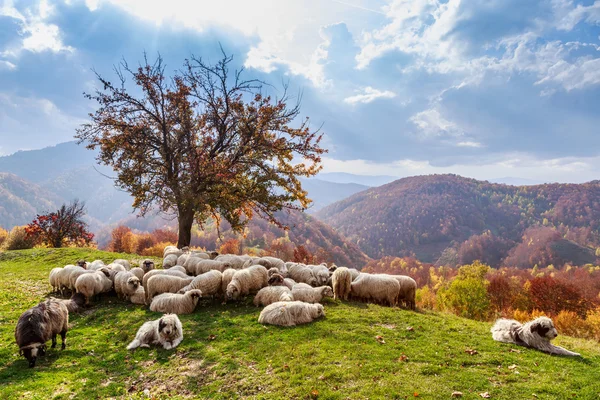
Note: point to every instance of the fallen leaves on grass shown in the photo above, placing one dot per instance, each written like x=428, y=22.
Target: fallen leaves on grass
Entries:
x=485, y=395
x=457, y=394
x=379, y=339
x=314, y=394
x=511, y=367
x=403, y=357
x=410, y=329
x=471, y=351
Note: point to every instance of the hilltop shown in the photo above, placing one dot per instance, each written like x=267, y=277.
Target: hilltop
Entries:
x=358, y=350
x=424, y=215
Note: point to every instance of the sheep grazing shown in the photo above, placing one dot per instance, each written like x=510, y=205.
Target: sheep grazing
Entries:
x=169, y=261
x=321, y=273
x=74, y=274
x=311, y=295
x=62, y=277
x=302, y=273
x=226, y=279
x=379, y=288
x=408, y=291
x=53, y=278
x=147, y=265
x=235, y=262
x=273, y=271
x=209, y=283
x=290, y=313
x=93, y=284
x=123, y=262
x=272, y=294
x=199, y=266
x=95, y=265
x=247, y=280
x=176, y=303
x=126, y=284
x=139, y=297
x=341, y=280
x=38, y=325
x=175, y=271
x=159, y=284
x=354, y=272
x=139, y=272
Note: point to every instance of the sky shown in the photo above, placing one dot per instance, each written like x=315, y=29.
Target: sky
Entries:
x=482, y=88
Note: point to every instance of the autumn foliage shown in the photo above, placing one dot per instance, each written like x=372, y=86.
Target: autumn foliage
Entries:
x=61, y=228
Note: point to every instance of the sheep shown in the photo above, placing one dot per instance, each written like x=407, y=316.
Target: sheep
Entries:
x=147, y=265
x=172, y=250
x=123, y=262
x=408, y=291
x=209, y=283
x=93, y=284
x=311, y=295
x=247, y=280
x=81, y=263
x=74, y=274
x=226, y=279
x=275, y=280
x=74, y=304
x=354, y=272
x=272, y=294
x=235, y=262
x=301, y=285
x=273, y=271
x=164, y=284
x=38, y=325
x=53, y=278
x=270, y=262
x=290, y=313
x=173, y=272
x=95, y=265
x=301, y=273
x=198, y=266
x=169, y=261
x=62, y=277
x=139, y=272
x=126, y=284
x=139, y=297
x=341, y=280
x=321, y=273
x=176, y=303
x=380, y=288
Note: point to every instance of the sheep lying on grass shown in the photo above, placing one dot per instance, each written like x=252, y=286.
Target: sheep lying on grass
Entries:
x=175, y=271
x=290, y=313
x=311, y=295
x=176, y=303
x=38, y=325
x=247, y=280
x=272, y=294
x=209, y=283
x=159, y=284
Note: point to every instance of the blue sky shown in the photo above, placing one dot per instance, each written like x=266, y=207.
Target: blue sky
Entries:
x=482, y=88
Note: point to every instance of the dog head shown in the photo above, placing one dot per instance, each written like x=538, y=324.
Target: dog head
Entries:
x=544, y=328
x=167, y=326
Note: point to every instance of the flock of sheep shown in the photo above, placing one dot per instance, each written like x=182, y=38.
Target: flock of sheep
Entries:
x=289, y=291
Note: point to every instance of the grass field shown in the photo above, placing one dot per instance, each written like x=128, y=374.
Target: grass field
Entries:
x=358, y=351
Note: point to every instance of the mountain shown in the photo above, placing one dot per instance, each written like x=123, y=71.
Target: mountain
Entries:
x=509, y=180
x=323, y=193
x=426, y=215
x=366, y=180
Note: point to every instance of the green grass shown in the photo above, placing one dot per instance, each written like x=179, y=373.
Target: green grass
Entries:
x=338, y=357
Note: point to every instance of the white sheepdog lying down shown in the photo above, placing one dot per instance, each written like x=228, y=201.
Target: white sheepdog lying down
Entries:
x=536, y=334
x=165, y=331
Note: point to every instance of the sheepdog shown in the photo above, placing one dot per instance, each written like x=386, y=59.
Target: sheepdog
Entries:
x=165, y=331
x=536, y=334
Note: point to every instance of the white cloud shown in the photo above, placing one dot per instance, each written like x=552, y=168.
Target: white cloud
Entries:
x=469, y=144
x=7, y=65
x=521, y=165
x=368, y=95
x=432, y=124
x=38, y=35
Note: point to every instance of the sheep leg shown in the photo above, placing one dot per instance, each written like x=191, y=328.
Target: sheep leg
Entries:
x=63, y=336
x=53, y=341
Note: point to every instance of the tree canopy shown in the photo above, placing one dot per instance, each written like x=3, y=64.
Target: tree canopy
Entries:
x=204, y=142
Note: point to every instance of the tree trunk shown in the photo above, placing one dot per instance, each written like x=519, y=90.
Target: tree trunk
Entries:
x=186, y=220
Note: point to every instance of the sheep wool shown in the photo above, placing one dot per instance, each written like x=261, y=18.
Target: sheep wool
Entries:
x=176, y=303
x=302, y=273
x=209, y=283
x=379, y=288
x=172, y=272
x=272, y=294
x=341, y=280
x=311, y=295
x=247, y=280
x=290, y=313
x=159, y=284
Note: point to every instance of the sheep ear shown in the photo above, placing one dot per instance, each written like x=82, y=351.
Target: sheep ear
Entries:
x=161, y=325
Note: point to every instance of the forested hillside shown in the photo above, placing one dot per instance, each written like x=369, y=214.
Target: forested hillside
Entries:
x=433, y=216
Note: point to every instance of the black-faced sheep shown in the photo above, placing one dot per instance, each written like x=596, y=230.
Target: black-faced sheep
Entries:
x=311, y=295
x=247, y=280
x=38, y=325
x=176, y=303
x=147, y=265
x=272, y=294
x=290, y=313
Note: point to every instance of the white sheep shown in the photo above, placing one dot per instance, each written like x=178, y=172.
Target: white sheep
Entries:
x=199, y=266
x=139, y=272
x=123, y=262
x=53, y=278
x=209, y=283
x=302, y=273
x=272, y=294
x=270, y=262
x=62, y=277
x=126, y=284
x=311, y=295
x=235, y=262
x=139, y=297
x=354, y=272
x=321, y=273
x=95, y=265
x=93, y=284
x=341, y=280
x=173, y=272
x=176, y=303
x=247, y=280
x=379, y=288
x=172, y=250
x=74, y=274
x=169, y=261
x=290, y=313
x=408, y=291
x=226, y=279
x=159, y=284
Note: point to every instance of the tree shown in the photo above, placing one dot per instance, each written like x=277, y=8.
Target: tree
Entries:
x=62, y=227
x=204, y=143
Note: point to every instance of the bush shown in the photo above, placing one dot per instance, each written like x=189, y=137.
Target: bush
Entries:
x=426, y=298
x=117, y=234
x=157, y=249
x=230, y=246
x=3, y=236
x=144, y=241
x=129, y=242
x=553, y=296
x=18, y=240
x=467, y=294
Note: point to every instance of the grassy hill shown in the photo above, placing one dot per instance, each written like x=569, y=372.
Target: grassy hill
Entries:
x=227, y=354
x=426, y=214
